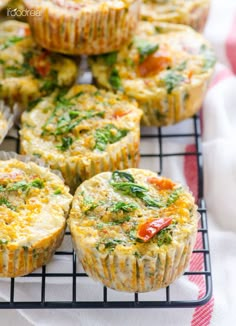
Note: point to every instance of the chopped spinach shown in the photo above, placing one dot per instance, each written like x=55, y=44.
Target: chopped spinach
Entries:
x=164, y=237
x=137, y=254
x=66, y=124
x=57, y=192
x=209, y=57
x=172, y=80
x=137, y=191
x=66, y=143
x=25, y=186
x=109, y=58
x=145, y=48
x=14, y=71
x=120, y=175
x=110, y=244
x=173, y=196
x=89, y=204
x=33, y=103
x=115, y=81
x=110, y=134
x=101, y=225
x=125, y=207
x=11, y=41
x=5, y=202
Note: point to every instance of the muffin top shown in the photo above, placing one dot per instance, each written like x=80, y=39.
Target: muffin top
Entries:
x=132, y=212
x=161, y=58
x=81, y=4
x=34, y=203
x=27, y=68
x=173, y=6
x=83, y=122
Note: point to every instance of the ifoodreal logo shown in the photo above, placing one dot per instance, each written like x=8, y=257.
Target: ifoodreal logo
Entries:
x=14, y=12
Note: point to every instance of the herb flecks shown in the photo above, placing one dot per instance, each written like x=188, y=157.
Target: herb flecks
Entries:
x=125, y=207
x=209, y=57
x=174, y=196
x=164, y=237
x=109, y=58
x=89, y=204
x=11, y=41
x=110, y=134
x=121, y=176
x=145, y=48
x=115, y=80
x=172, y=80
x=23, y=186
x=66, y=143
x=109, y=244
x=5, y=202
x=134, y=190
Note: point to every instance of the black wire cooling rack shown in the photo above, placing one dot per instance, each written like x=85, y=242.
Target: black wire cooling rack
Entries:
x=65, y=285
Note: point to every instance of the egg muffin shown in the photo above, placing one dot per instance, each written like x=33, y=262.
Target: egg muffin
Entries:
x=6, y=121
x=132, y=230
x=192, y=12
x=83, y=132
x=83, y=26
x=34, y=204
x=166, y=68
x=28, y=72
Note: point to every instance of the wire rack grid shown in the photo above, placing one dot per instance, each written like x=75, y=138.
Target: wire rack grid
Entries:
x=67, y=286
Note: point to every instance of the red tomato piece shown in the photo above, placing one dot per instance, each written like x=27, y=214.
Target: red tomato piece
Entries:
x=149, y=229
x=162, y=183
x=154, y=63
x=120, y=114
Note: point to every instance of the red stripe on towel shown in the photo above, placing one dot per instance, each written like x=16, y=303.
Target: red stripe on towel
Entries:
x=231, y=45
x=202, y=315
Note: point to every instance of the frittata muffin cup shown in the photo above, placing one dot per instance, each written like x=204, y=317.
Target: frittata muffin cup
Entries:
x=83, y=133
x=166, y=69
x=27, y=71
x=34, y=204
x=6, y=120
x=135, y=232
x=87, y=27
x=193, y=13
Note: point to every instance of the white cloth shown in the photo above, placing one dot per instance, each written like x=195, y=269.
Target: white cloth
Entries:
x=219, y=146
